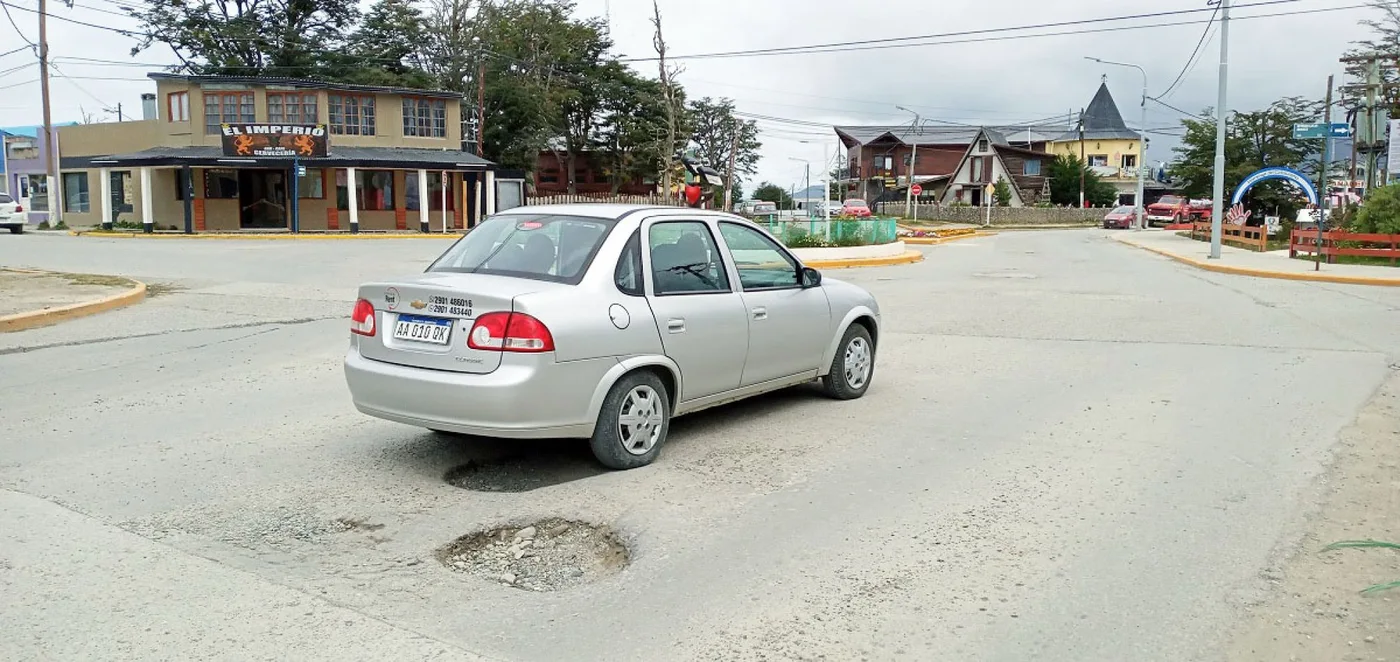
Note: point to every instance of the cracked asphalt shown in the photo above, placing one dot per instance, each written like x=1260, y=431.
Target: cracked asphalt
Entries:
x=1072, y=450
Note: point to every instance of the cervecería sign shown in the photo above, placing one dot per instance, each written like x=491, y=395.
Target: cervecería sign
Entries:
x=275, y=140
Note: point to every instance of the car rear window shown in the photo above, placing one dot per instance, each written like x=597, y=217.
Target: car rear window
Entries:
x=540, y=246
x=5, y=198
x=855, y=203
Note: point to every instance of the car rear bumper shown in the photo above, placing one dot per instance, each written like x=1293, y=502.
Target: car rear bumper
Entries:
x=527, y=397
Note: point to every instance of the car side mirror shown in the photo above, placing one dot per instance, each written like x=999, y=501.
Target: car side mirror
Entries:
x=809, y=277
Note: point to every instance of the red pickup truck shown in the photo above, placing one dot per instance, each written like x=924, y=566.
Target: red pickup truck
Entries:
x=1176, y=209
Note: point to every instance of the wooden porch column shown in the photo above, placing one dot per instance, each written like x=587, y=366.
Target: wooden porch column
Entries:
x=148, y=214
x=490, y=192
x=105, y=187
x=423, y=201
x=350, y=200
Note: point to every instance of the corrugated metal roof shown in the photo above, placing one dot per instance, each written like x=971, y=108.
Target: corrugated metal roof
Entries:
x=303, y=83
x=952, y=135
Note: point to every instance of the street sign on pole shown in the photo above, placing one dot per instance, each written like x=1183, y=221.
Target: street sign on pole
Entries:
x=1321, y=130
x=917, y=190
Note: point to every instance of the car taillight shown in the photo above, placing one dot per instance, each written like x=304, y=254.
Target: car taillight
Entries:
x=362, y=319
x=510, y=332
x=18, y=208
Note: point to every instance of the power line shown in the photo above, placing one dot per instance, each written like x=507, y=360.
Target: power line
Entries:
x=127, y=33
x=866, y=46
x=17, y=50
x=1183, y=112
x=1199, y=43
x=875, y=43
x=16, y=26
x=6, y=87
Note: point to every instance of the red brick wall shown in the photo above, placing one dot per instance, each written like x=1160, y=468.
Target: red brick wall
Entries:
x=198, y=214
x=332, y=218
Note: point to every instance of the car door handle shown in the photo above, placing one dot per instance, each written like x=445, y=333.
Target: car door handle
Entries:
x=676, y=325
x=760, y=313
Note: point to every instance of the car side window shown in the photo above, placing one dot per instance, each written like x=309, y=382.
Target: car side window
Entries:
x=628, y=274
x=762, y=264
x=685, y=259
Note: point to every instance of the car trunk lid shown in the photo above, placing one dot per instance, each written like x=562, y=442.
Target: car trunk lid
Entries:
x=424, y=321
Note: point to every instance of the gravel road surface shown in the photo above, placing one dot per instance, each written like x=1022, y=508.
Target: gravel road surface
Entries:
x=1072, y=450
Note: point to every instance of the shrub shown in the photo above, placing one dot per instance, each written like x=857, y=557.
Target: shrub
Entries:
x=1381, y=212
x=61, y=226
x=43, y=225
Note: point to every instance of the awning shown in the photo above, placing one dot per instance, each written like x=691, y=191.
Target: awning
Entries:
x=407, y=158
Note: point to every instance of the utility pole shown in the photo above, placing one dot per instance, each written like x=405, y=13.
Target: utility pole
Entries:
x=119, y=111
x=729, y=176
x=50, y=145
x=480, y=96
x=1083, y=164
x=1322, y=173
x=1217, y=210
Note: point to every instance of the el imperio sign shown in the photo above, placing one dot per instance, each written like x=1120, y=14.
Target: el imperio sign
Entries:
x=306, y=141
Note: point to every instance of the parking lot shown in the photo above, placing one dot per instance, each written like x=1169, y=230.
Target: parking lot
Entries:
x=1071, y=450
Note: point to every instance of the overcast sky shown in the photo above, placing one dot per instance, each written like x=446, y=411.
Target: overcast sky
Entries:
x=992, y=82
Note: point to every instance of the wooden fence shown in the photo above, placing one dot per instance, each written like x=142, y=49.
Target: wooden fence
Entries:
x=659, y=200
x=1345, y=243
x=1253, y=238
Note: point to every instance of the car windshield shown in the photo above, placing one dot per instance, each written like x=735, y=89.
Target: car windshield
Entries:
x=855, y=203
x=1123, y=210
x=540, y=246
x=1169, y=200
x=765, y=206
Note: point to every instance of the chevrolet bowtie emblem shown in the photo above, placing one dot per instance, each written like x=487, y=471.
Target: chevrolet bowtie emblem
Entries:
x=418, y=304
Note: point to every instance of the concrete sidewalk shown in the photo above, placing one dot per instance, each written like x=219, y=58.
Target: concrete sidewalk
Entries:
x=1274, y=264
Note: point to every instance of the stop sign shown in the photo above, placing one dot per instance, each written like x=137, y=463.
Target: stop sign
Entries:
x=916, y=189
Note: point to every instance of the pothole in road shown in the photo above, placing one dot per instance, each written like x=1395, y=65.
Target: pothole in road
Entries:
x=549, y=555
x=525, y=471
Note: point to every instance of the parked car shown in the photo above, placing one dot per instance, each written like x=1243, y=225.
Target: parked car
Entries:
x=1122, y=218
x=855, y=207
x=833, y=208
x=583, y=321
x=11, y=214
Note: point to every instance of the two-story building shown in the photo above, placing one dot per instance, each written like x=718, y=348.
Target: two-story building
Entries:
x=1112, y=150
x=394, y=160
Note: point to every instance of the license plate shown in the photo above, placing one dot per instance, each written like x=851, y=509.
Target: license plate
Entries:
x=423, y=329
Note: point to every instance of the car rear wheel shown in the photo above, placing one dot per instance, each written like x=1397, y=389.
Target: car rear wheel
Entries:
x=853, y=366
x=633, y=423
x=16, y=229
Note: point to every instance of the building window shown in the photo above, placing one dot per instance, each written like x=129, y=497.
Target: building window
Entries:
x=221, y=184
x=312, y=185
x=227, y=108
x=410, y=193
x=982, y=145
x=1130, y=160
x=291, y=108
x=424, y=118
x=350, y=114
x=1032, y=167
x=75, y=193
x=549, y=177
x=177, y=107
x=1098, y=160
x=977, y=170
x=374, y=190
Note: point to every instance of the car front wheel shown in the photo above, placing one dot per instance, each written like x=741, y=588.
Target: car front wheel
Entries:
x=633, y=423
x=853, y=366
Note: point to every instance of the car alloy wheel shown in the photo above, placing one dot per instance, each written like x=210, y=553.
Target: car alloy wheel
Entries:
x=640, y=420
x=857, y=362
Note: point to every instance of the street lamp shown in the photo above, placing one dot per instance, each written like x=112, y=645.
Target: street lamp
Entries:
x=1142, y=134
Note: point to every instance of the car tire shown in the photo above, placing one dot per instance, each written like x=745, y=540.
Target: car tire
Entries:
x=633, y=423
x=853, y=367
x=16, y=229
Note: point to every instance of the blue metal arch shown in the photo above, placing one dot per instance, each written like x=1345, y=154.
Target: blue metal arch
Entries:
x=1287, y=174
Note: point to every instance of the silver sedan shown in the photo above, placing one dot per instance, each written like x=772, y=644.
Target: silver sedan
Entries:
x=603, y=322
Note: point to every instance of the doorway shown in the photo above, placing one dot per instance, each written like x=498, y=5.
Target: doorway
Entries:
x=262, y=199
x=976, y=194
